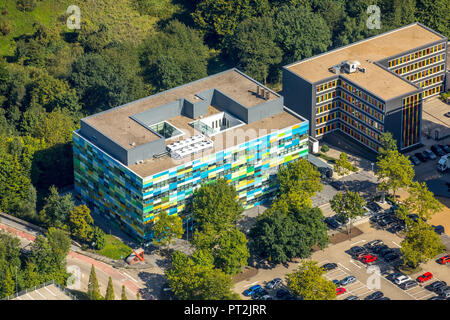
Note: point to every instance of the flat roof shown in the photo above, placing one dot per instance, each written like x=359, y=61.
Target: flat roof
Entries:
x=117, y=125
x=378, y=81
x=221, y=141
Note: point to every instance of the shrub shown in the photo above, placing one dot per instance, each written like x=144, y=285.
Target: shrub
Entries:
x=4, y=28
x=324, y=148
x=26, y=5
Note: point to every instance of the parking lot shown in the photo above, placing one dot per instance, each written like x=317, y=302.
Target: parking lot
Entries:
x=367, y=281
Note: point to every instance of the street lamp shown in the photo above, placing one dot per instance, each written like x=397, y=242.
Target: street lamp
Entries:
x=372, y=165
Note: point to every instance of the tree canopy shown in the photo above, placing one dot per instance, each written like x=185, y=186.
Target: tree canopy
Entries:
x=308, y=282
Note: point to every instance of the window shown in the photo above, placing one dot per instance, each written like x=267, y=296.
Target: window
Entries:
x=166, y=130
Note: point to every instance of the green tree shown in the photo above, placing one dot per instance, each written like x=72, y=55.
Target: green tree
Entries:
x=81, y=223
x=48, y=254
x=93, y=287
x=253, y=47
x=7, y=285
x=216, y=205
x=104, y=82
x=348, y=206
x=299, y=177
x=219, y=18
x=300, y=33
x=175, y=56
x=308, y=282
x=229, y=248
x=280, y=236
x=110, y=291
x=398, y=13
x=388, y=143
x=394, y=171
x=124, y=293
x=56, y=210
x=422, y=201
x=421, y=244
x=98, y=238
x=166, y=229
x=434, y=14
x=195, y=278
x=343, y=165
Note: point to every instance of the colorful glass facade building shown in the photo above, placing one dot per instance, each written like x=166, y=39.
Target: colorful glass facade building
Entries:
x=370, y=87
x=135, y=161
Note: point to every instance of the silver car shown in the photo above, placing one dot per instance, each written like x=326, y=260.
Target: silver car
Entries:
x=273, y=283
x=347, y=280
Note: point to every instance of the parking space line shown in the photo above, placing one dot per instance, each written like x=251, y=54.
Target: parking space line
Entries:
x=344, y=267
x=351, y=261
x=396, y=244
x=248, y=285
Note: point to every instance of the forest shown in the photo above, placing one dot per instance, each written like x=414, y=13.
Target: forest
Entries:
x=51, y=76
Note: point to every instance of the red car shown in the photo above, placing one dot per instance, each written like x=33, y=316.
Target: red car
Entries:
x=444, y=259
x=368, y=258
x=340, y=291
x=425, y=277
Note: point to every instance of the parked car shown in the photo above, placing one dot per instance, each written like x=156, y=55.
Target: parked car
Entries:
x=396, y=228
x=380, y=247
x=282, y=293
x=415, y=160
x=446, y=293
x=441, y=290
x=391, y=257
x=252, y=290
x=332, y=223
x=385, y=252
x=336, y=282
x=436, y=285
x=402, y=279
x=356, y=250
x=425, y=277
x=383, y=298
x=347, y=280
x=260, y=293
x=266, y=297
x=437, y=298
x=394, y=276
x=340, y=291
x=373, y=243
x=408, y=284
x=445, y=148
x=439, y=229
x=444, y=259
x=429, y=154
x=437, y=150
x=329, y=266
x=375, y=295
x=352, y=298
x=420, y=156
x=373, y=206
x=274, y=283
x=368, y=258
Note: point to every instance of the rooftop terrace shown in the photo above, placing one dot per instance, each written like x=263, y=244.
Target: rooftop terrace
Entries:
x=380, y=82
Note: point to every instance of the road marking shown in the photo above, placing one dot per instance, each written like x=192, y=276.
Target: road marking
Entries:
x=351, y=261
x=396, y=244
x=358, y=242
x=28, y=295
x=130, y=277
x=344, y=267
x=37, y=291
x=51, y=292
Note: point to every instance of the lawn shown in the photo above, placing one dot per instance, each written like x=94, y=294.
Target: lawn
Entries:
x=114, y=248
x=120, y=16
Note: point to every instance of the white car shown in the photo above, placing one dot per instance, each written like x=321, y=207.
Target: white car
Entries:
x=401, y=279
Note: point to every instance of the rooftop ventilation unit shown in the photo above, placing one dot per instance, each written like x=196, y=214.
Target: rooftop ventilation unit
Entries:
x=186, y=147
x=346, y=66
